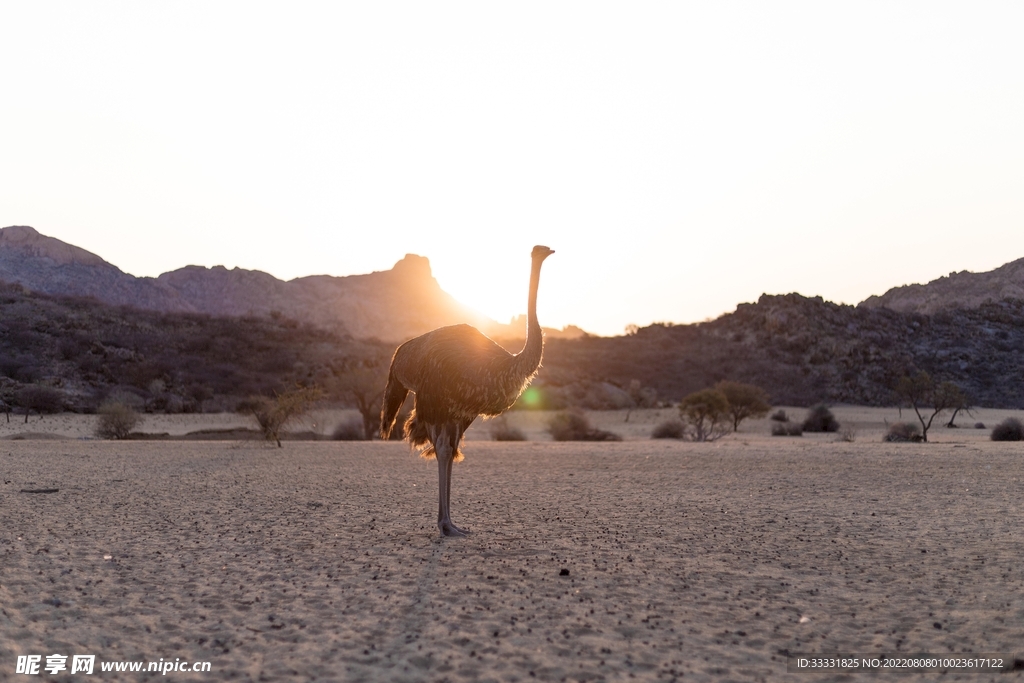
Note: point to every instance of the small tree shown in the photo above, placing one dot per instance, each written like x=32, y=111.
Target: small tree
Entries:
x=923, y=394
x=272, y=414
x=39, y=398
x=706, y=414
x=117, y=420
x=643, y=397
x=360, y=381
x=964, y=407
x=745, y=400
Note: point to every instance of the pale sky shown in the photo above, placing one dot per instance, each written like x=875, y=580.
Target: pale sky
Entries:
x=680, y=157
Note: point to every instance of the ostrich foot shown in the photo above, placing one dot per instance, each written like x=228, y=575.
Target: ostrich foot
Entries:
x=449, y=529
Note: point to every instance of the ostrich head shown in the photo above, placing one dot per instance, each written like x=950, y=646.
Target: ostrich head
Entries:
x=540, y=253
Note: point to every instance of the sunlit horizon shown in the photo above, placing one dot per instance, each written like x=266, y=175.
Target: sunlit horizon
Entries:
x=681, y=159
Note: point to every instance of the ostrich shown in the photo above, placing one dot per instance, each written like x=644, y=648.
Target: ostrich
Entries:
x=456, y=374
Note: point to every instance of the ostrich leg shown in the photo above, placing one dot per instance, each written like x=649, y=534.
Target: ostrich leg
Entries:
x=445, y=442
x=448, y=497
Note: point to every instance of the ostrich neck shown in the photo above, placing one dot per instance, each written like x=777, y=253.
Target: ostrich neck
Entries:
x=528, y=360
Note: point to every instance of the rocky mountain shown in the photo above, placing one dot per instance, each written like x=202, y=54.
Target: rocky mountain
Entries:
x=391, y=305
x=956, y=290
x=47, y=265
x=804, y=350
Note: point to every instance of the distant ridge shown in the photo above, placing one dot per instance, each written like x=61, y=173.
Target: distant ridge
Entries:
x=392, y=305
x=957, y=290
x=45, y=264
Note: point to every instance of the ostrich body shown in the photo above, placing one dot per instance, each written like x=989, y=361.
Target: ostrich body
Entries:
x=457, y=373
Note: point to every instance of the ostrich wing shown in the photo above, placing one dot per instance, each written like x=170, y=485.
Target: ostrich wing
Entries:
x=458, y=370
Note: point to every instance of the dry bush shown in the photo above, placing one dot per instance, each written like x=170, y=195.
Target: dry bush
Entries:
x=1009, y=429
x=501, y=430
x=847, y=434
x=779, y=416
x=573, y=425
x=669, y=429
x=820, y=419
x=979, y=425
x=902, y=432
x=116, y=420
x=272, y=414
x=787, y=429
x=349, y=430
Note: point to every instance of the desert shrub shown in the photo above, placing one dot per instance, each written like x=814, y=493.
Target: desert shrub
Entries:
x=848, y=434
x=501, y=430
x=779, y=416
x=1009, y=429
x=745, y=400
x=706, y=415
x=979, y=425
x=820, y=419
x=349, y=430
x=272, y=414
x=116, y=420
x=903, y=431
x=787, y=429
x=669, y=429
x=573, y=425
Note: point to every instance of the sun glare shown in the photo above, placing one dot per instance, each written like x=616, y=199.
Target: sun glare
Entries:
x=492, y=282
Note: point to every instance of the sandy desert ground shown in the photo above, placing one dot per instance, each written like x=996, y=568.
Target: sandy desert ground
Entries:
x=638, y=560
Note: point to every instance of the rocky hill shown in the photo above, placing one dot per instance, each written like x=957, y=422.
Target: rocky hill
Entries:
x=805, y=350
x=392, y=305
x=801, y=350
x=47, y=265
x=81, y=351
x=956, y=290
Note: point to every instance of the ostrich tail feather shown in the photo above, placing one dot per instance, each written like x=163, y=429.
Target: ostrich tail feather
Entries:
x=418, y=436
x=394, y=397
